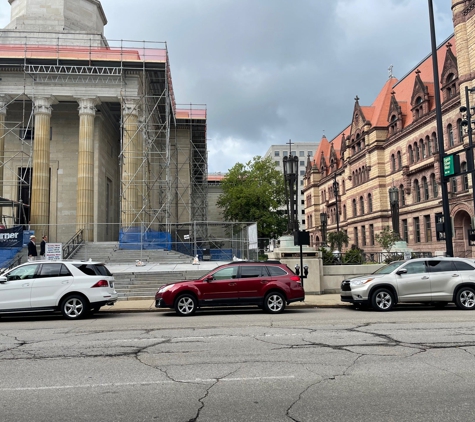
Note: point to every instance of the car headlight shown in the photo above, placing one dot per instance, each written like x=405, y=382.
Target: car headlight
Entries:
x=163, y=289
x=361, y=282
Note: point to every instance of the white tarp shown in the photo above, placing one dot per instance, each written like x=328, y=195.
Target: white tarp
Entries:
x=252, y=234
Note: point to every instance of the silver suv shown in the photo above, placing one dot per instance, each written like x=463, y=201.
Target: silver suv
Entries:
x=431, y=280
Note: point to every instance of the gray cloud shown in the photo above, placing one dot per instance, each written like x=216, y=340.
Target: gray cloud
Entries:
x=271, y=70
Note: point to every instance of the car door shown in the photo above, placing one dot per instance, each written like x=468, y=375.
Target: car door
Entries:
x=252, y=278
x=414, y=285
x=220, y=287
x=15, y=291
x=444, y=276
x=52, y=280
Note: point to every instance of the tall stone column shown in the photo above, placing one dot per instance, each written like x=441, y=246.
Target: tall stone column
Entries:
x=4, y=99
x=40, y=192
x=130, y=153
x=85, y=190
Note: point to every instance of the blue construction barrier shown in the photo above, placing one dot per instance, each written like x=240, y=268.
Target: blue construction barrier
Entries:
x=135, y=239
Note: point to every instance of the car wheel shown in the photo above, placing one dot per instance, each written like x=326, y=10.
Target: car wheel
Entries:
x=74, y=307
x=465, y=298
x=185, y=305
x=274, y=302
x=383, y=300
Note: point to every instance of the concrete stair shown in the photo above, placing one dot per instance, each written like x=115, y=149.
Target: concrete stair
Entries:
x=136, y=286
x=109, y=253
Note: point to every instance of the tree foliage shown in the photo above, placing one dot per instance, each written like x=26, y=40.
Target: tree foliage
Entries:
x=255, y=191
x=387, y=238
x=338, y=239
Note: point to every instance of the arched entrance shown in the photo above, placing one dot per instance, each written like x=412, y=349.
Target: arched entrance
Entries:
x=462, y=223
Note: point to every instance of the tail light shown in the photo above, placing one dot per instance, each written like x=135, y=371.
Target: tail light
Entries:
x=295, y=278
x=101, y=283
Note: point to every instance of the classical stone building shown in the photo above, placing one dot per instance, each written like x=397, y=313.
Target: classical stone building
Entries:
x=393, y=142
x=91, y=137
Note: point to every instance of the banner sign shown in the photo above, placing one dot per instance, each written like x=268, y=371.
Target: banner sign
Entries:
x=11, y=238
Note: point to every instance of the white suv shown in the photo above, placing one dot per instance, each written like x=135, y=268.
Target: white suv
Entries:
x=431, y=280
x=76, y=288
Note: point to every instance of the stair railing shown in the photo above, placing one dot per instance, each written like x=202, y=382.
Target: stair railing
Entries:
x=73, y=244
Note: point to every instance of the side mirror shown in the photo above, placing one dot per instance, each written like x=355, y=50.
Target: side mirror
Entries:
x=401, y=271
x=209, y=278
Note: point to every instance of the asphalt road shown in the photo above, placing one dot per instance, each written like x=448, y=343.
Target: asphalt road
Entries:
x=413, y=364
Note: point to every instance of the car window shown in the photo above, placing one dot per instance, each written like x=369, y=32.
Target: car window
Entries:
x=50, y=270
x=23, y=273
x=440, y=266
x=93, y=269
x=252, y=271
x=415, y=267
x=225, y=273
x=463, y=266
x=64, y=271
x=388, y=269
x=276, y=271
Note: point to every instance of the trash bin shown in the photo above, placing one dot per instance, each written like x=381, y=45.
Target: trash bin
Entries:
x=206, y=255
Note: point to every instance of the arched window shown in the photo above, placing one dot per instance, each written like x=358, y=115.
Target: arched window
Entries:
x=450, y=132
x=463, y=168
x=434, y=187
x=435, y=142
x=411, y=155
x=399, y=160
x=361, y=205
x=402, y=197
x=416, y=153
x=344, y=212
x=423, y=149
x=370, y=203
x=425, y=189
x=429, y=146
x=417, y=191
x=355, y=211
x=393, y=163
x=453, y=184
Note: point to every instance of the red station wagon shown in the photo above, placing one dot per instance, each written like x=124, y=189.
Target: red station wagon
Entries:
x=269, y=285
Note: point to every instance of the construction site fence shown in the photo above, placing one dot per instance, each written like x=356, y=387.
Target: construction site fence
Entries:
x=214, y=241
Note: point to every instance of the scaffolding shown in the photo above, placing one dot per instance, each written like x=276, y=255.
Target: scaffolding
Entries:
x=168, y=184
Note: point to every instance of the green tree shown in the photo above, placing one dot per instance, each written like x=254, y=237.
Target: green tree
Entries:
x=255, y=191
x=387, y=238
x=338, y=239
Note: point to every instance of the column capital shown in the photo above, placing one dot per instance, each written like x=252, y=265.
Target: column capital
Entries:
x=87, y=105
x=4, y=100
x=42, y=105
x=130, y=106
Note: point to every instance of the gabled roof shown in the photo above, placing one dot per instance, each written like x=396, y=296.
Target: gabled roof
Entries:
x=378, y=113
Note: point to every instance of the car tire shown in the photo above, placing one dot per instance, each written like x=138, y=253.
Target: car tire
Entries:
x=465, y=298
x=185, y=305
x=274, y=303
x=383, y=300
x=74, y=307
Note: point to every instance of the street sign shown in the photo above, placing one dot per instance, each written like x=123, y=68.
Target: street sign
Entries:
x=451, y=165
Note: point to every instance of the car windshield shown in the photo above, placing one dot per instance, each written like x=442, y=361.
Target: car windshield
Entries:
x=387, y=269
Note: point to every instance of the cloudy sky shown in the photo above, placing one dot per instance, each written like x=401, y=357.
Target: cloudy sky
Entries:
x=273, y=70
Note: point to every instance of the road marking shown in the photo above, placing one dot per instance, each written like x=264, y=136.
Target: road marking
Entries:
x=132, y=384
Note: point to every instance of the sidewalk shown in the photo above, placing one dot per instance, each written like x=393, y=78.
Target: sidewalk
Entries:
x=311, y=301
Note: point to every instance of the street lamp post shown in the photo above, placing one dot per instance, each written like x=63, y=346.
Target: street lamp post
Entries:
x=336, y=191
x=440, y=136
x=290, y=175
x=323, y=220
x=394, y=202
x=467, y=122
